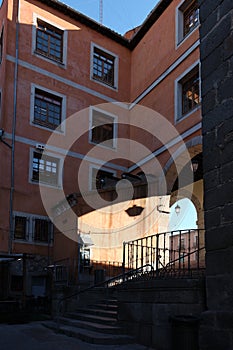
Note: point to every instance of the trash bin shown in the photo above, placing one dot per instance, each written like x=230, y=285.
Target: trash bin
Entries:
x=99, y=276
x=185, y=332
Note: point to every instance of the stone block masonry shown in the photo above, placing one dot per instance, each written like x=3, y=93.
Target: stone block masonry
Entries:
x=216, y=33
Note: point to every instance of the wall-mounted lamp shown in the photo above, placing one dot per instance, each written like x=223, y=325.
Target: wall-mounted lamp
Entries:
x=1, y=138
x=194, y=165
x=162, y=211
x=177, y=209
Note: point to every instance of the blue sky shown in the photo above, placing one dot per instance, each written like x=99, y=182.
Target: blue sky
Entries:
x=119, y=15
x=187, y=217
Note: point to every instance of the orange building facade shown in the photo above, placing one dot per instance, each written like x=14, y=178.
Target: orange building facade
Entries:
x=103, y=108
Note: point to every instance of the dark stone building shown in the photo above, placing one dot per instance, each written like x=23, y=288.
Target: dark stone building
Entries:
x=217, y=106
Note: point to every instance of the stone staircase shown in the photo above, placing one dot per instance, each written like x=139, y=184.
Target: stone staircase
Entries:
x=95, y=324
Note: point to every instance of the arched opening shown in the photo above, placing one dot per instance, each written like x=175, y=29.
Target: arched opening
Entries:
x=185, y=217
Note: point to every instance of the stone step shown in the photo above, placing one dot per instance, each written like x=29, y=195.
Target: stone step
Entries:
x=110, y=307
x=97, y=327
x=92, y=318
x=98, y=311
x=89, y=335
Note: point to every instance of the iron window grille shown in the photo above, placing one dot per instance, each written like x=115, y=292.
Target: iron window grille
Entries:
x=190, y=17
x=190, y=91
x=103, y=67
x=45, y=169
x=47, y=109
x=20, y=228
x=49, y=41
x=42, y=230
x=102, y=129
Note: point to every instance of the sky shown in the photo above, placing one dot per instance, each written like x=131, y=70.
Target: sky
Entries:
x=119, y=15
x=186, y=219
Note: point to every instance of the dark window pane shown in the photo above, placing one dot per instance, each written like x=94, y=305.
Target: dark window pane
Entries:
x=47, y=109
x=49, y=41
x=190, y=91
x=191, y=17
x=41, y=230
x=102, y=128
x=103, y=67
x=20, y=227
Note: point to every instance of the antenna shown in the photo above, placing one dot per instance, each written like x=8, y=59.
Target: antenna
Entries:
x=101, y=12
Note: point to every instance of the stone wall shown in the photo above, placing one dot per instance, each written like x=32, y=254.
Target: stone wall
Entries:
x=216, y=34
x=146, y=308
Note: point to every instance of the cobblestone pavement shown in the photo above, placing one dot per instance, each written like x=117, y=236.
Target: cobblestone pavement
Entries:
x=34, y=336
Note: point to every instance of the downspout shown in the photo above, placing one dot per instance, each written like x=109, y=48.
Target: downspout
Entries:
x=11, y=216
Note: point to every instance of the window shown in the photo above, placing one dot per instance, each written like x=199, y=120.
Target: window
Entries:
x=32, y=228
x=1, y=45
x=103, y=129
x=41, y=230
x=191, y=17
x=104, y=67
x=182, y=244
x=45, y=169
x=187, y=19
x=99, y=177
x=20, y=229
x=47, y=109
x=187, y=94
x=49, y=41
x=190, y=91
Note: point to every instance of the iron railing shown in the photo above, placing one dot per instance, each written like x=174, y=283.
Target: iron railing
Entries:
x=174, y=250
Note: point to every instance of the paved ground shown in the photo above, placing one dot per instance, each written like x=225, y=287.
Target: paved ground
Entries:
x=34, y=336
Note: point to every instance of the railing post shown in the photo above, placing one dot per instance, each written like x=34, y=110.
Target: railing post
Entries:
x=157, y=255
x=123, y=264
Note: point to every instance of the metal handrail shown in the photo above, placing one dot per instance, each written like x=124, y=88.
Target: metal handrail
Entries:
x=100, y=284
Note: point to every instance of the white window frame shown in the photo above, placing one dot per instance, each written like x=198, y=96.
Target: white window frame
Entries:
x=37, y=17
x=180, y=38
x=115, y=127
x=178, y=94
x=116, y=64
x=60, y=168
x=30, y=229
x=32, y=106
x=92, y=167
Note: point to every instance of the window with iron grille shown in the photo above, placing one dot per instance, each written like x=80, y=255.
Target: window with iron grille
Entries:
x=103, y=67
x=42, y=230
x=191, y=17
x=45, y=169
x=1, y=45
x=190, y=91
x=49, y=41
x=103, y=129
x=187, y=17
x=47, y=109
x=20, y=227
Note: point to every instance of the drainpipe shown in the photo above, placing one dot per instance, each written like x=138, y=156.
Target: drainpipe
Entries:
x=13, y=132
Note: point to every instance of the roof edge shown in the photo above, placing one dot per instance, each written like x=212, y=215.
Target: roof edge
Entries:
x=149, y=21
x=129, y=43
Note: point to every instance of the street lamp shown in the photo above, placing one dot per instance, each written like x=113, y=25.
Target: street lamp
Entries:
x=177, y=209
